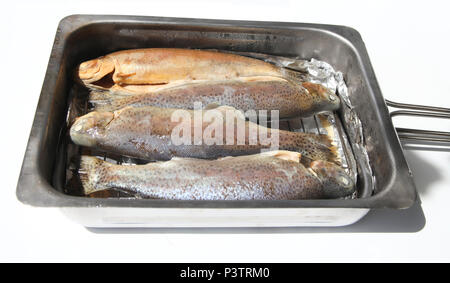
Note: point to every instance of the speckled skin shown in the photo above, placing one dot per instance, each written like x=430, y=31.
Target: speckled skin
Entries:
x=166, y=65
x=145, y=132
x=254, y=177
x=292, y=100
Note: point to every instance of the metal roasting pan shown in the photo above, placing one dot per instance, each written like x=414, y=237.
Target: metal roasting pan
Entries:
x=82, y=37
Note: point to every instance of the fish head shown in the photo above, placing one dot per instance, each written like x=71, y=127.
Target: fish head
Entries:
x=326, y=99
x=336, y=182
x=85, y=129
x=94, y=70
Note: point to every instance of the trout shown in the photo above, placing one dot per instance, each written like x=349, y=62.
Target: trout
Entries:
x=275, y=175
x=154, y=133
x=264, y=93
x=162, y=66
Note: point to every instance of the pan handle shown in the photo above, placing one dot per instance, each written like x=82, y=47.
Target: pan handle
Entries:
x=421, y=136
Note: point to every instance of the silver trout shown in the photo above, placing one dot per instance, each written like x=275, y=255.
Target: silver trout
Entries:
x=160, y=66
x=154, y=133
x=264, y=93
x=276, y=175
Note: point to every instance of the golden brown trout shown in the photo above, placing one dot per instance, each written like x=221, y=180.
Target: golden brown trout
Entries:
x=155, y=133
x=275, y=175
x=264, y=93
x=161, y=66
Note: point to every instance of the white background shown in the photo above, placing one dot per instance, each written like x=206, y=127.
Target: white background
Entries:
x=408, y=43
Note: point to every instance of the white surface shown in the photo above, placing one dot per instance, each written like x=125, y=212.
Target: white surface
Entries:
x=405, y=39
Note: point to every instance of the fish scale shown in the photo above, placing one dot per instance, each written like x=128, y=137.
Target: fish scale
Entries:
x=267, y=93
x=118, y=132
x=272, y=175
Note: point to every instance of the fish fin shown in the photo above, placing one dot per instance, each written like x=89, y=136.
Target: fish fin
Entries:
x=285, y=155
x=294, y=76
x=319, y=147
x=330, y=151
x=89, y=177
x=103, y=100
x=124, y=75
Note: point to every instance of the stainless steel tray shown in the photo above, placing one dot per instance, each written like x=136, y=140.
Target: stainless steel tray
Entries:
x=81, y=37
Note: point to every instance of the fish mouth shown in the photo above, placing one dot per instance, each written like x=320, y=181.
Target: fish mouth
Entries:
x=328, y=97
x=85, y=128
x=89, y=69
x=96, y=69
x=333, y=99
x=336, y=181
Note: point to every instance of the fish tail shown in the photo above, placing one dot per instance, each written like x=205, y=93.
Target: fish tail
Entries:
x=102, y=107
x=294, y=76
x=89, y=176
x=319, y=147
x=101, y=100
x=104, y=101
x=331, y=150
